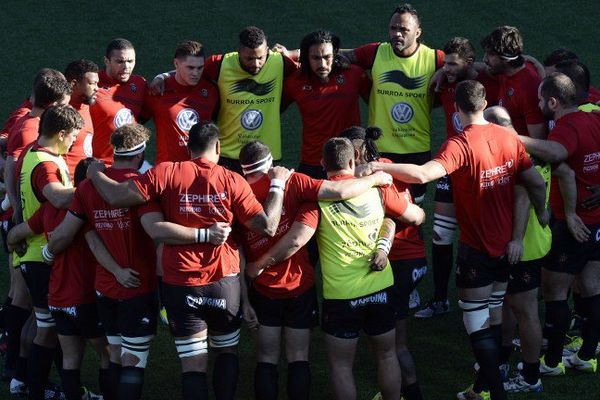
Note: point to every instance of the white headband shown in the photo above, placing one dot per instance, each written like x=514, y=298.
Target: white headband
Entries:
x=509, y=58
x=259, y=165
x=135, y=150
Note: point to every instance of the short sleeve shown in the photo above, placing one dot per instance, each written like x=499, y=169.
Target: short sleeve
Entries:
x=395, y=203
x=289, y=66
x=453, y=154
x=308, y=214
x=563, y=134
x=152, y=183
x=524, y=159
x=149, y=207
x=43, y=174
x=211, y=67
x=77, y=206
x=365, y=55
x=307, y=188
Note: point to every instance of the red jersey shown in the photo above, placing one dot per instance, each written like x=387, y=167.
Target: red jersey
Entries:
x=116, y=104
x=73, y=270
x=199, y=193
x=123, y=235
x=24, y=108
x=579, y=133
x=519, y=95
x=327, y=108
x=24, y=132
x=175, y=112
x=295, y=275
x=408, y=242
x=365, y=56
x=483, y=163
x=447, y=96
x=82, y=147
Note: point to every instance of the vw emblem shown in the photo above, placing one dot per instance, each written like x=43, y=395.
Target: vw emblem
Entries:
x=402, y=112
x=251, y=119
x=122, y=117
x=186, y=118
x=456, y=123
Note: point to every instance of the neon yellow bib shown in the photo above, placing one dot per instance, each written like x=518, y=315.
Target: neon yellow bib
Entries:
x=399, y=102
x=347, y=236
x=29, y=202
x=250, y=105
x=538, y=239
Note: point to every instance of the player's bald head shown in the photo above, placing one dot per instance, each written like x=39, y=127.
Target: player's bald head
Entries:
x=560, y=87
x=337, y=154
x=498, y=115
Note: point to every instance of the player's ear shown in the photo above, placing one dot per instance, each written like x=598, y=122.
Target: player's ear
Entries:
x=175, y=63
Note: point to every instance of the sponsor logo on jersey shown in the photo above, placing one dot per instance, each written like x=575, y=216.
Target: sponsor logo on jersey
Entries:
x=499, y=175
x=251, y=119
x=456, y=123
x=510, y=92
x=400, y=78
x=307, y=88
x=402, y=112
x=204, y=93
x=251, y=86
x=186, y=118
x=133, y=87
x=122, y=117
x=340, y=79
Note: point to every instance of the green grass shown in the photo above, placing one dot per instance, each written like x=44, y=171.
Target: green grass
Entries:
x=51, y=34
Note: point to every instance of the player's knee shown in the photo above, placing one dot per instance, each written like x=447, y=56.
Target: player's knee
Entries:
x=444, y=229
x=138, y=347
x=476, y=314
x=191, y=347
x=225, y=341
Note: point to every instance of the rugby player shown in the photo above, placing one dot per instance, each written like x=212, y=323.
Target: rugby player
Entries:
x=44, y=177
x=186, y=99
x=120, y=96
x=82, y=75
x=562, y=55
x=327, y=96
x=485, y=162
x=574, y=139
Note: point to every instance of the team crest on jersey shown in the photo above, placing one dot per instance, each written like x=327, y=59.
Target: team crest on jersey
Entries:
x=551, y=124
x=186, y=118
x=204, y=93
x=133, y=87
x=87, y=145
x=251, y=119
x=402, y=112
x=400, y=78
x=307, y=88
x=251, y=86
x=456, y=123
x=510, y=92
x=122, y=117
x=340, y=79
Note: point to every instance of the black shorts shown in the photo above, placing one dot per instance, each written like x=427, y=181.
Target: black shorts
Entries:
x=37, y=278
x=193, y=309
x=374, y=314
x=81, y=320
x=133, y=317
x=443, y=190
x=300, y=312
x=407, y=275
x=525, y=276
x=476, y=269
x=314, y=171
x=569, y=256
x=416, y=190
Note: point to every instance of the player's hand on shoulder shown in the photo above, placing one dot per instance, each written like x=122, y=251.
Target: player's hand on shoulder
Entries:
x=94, y=168
x=281, y=173
x=219, y=232
x=157, y=86
x=438, y=80
x=382, y=178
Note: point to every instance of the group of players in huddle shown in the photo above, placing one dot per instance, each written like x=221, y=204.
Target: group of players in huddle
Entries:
x=215, y=233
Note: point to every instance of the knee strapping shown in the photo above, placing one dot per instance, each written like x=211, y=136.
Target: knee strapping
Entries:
x=191, y=347
x=114, y=340
x=226, y=340
x=44, y=319
x=137, y=346
x=497, y=299
x=444, y=229
x=476, y=314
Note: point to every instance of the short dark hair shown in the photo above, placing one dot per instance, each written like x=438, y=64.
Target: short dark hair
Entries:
x=201, y=136
x=252, y=37
x=561, y=87
x=49, y=88
x=506, y=42
x=579, y=74
x=559, y=55
x=316, y=37
x=127, y=137
x=189, y=48
x=118, y=44
x=59, y=118
x=368, y=136
x=81, y=170
x=460, y=46
x=470, y=96
x=407, y=8
x=77, y=69
x=253, y=151
x=337, y=153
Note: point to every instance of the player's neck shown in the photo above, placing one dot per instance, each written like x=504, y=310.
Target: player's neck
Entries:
x=561, y=112
x=473, y=119
x=48, y=143
x=125, y=164
x=36, y=112
x=408, y=51
x=346, y=171
x=179, y=80
x=510, y=71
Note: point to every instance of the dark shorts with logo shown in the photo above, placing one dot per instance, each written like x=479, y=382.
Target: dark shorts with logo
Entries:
x=407, y=275
x=374, y=314
x=416, y=190
x=443, y=190
x=81, y=320
x=525, y=276
x=300, y=312
x=133, y=317
x=193, y=309
x=37, y=279
x=569, y=256
x=476, y=269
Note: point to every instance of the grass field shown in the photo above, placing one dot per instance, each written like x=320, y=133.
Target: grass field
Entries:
x=39, y=34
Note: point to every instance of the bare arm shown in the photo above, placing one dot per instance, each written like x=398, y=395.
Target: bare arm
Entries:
x=536, y=188
x=17, y=234
x=378, y=260
x=117, y=194
x=58, y=195
x=568, y=191
x=347, y=189
x=64, y=233
x=414, y=215
x=538, y=131
x=347, y=56
x=411, y=173
x=12, y=188
x=171, y=233
x=514, y=249
x=125, y=276
x=547, y=150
